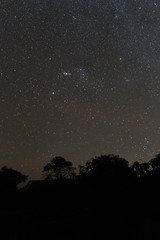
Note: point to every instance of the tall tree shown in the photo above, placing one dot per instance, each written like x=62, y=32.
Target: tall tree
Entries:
x=59, y=168
x=110, y=166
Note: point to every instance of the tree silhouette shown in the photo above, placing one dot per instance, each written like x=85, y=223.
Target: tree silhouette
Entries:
x=59, y=168
x=10, y=178
x=155, y=166
x=141, y=169
x=110, y=166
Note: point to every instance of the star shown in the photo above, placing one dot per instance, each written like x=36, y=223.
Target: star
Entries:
x=67, y=73
x=78, y=80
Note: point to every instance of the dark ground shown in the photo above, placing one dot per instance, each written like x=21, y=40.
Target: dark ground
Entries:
x=80, y=210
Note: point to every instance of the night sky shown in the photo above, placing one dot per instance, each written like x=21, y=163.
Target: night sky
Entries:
x=78, y=78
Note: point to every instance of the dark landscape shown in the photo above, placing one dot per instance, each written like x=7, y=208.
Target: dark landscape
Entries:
x=107, y=199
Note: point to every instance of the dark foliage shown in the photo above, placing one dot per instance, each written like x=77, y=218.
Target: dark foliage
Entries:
x=59, y=168
x=10, y=178
x=141, y=169
x=155, y=166
x=110, y=166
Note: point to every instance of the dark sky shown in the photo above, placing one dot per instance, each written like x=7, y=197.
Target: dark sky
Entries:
x=78, y=78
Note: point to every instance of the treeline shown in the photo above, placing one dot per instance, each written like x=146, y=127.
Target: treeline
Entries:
x=101, y=167
x=104, y=166
x=105, y=197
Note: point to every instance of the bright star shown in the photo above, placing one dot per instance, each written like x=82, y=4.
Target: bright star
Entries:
x=67, y=73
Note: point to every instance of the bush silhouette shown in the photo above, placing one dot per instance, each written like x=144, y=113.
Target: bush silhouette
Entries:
x=10, y=178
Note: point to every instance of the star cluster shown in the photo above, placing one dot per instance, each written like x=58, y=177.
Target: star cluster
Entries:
x=77, y=79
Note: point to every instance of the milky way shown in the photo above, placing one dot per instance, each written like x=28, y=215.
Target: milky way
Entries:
x=78, y=79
